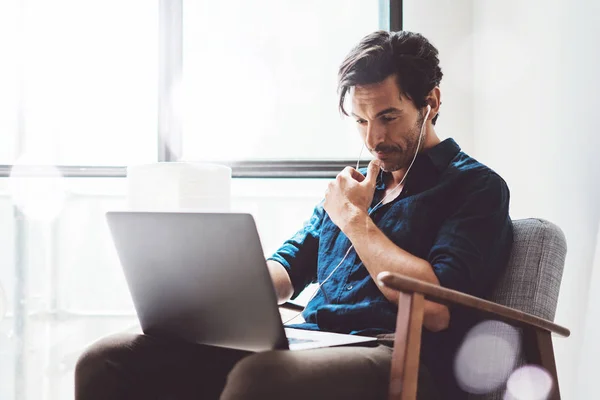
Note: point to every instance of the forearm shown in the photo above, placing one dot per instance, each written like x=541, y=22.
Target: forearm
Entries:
x=378, y=253
x=281, y=281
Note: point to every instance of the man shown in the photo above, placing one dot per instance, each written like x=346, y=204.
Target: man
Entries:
x=424, y=209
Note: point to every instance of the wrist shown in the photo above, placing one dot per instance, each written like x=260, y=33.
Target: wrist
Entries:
x=356, y=223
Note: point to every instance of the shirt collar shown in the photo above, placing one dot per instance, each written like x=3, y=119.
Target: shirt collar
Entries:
x=442, y=153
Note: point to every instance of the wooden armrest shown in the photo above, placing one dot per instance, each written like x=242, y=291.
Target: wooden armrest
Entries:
x=444, y=295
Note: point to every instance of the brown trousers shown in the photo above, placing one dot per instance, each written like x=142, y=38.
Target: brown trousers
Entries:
x=143, y=367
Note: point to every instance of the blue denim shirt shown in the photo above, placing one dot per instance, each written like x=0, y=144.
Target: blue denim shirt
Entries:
x=452, y=212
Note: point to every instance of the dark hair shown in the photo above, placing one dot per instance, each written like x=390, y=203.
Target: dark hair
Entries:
x=380, y=54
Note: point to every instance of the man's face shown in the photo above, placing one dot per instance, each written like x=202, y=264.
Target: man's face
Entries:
x=389, y=123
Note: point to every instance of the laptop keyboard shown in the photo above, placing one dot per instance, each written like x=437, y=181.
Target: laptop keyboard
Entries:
x=298, y=340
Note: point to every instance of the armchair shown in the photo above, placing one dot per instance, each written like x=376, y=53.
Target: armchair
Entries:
x=525, y=297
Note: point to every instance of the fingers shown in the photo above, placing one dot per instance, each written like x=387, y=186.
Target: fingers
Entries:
x=351, y=173
x=372, y=172
x=357, y=176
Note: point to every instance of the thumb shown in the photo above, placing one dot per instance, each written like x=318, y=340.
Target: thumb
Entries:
x=372, y=173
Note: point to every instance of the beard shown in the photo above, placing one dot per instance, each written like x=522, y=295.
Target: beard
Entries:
x=398, y=158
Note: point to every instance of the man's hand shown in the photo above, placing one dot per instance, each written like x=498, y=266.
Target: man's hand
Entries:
x=351, y=194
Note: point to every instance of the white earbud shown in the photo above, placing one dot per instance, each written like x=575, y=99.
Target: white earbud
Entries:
x=424, y=122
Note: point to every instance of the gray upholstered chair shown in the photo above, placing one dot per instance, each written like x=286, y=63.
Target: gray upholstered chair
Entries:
x=525, y=297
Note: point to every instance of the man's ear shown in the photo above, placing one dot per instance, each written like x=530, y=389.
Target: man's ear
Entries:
x=434, y=99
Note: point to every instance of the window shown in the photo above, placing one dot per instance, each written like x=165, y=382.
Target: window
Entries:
x=83, y=75
x=260, y=78
x=9, y=82
x=89, y=86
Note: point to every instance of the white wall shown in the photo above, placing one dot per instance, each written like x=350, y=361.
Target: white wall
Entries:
x=448, y=25
x=579, y=83
x=526, y=91
x=535, y=67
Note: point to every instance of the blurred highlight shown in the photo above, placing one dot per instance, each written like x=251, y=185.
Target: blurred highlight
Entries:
x=487, y=356
x=530, y=382
x=38, y=192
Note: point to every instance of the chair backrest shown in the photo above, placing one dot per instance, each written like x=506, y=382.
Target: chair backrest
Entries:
x=531, y=281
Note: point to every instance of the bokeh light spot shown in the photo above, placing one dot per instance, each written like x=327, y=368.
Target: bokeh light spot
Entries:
x=487, y=356
x=529, y=382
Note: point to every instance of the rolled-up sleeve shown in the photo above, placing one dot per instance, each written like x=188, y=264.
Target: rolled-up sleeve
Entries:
x=473, y=245
x=299, y=254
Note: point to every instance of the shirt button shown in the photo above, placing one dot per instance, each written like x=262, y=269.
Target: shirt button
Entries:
x=349, y=287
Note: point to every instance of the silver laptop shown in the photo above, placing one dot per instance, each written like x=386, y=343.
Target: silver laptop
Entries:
x=202, y=278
